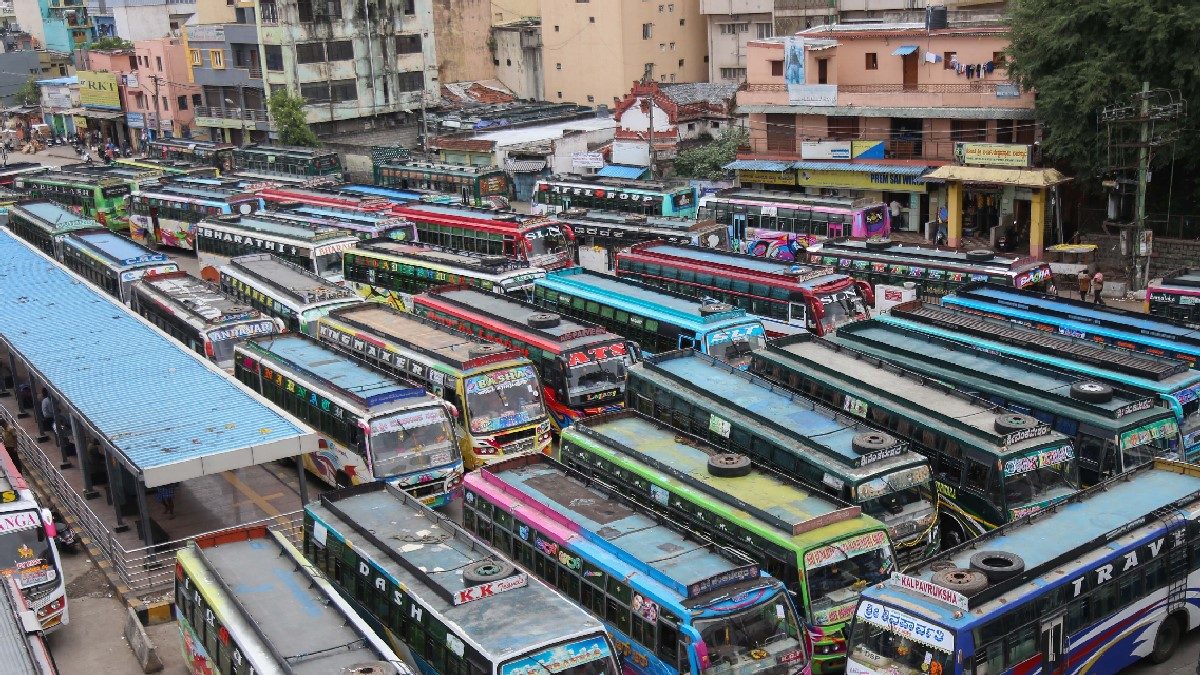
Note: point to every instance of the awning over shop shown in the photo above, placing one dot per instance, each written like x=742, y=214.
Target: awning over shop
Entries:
x=905, y=50
x=101, y=114
x=621, y=171
x=757, y=165
x=1030, y=178
x=896, y=170
x=524, y=165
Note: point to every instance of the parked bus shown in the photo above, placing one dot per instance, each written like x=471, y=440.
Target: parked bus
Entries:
x=474, y=185
x=672, y=602
x=169, y=167
x=1169, y=381
x=372, y=426
x=1113, y=429
x=218, y=155
x=601, y=235
x=323, y=195
x=198, y=315
x=133, y=176
x=166, y=213
x=1176, y=297
x=399, y=195
x=11, y=171
x=28, y=555
x=495, y=390
x=535, y=241
x=278, y=288
x=362, y=224
x=657, y=320
x=315, y=249
x=935, y=272
x=804, y=538
x=1123, y=328
x=773, y=224
x=23, y=645
x=582, y=365
x=786, y=296
x=288, y=159
x=247, y=602
x=745, y=414
x=444, y=599
x=1090, y=587
x=45, y=224
x=112, y=262
x=90, y=196
x=990, y=466
x=391, y=272
x=649, y=198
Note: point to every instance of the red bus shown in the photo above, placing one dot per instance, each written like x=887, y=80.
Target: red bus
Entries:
x=281, y=194
x=785, y=295
x=582, y=364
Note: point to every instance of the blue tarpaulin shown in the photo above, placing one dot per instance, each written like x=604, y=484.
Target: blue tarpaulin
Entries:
x=621, y=171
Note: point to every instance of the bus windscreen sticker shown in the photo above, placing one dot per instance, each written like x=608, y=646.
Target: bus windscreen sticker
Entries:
x=560, y=658
x=907, y=626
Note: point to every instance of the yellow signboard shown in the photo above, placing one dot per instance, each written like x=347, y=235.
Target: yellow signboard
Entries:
x=859, y=180
x=98, y=89
x=993, y=154
x=746, y=177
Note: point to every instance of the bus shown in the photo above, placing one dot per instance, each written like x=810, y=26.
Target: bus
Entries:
x=1093, y=586
x=23, y=646
x=494, y=390
x=821, y=447
x=649, y=198
x=391, y=272
x=169, y=167
x=487, y=186
x=1112, y=429
x=134, y=176
x=657, y=320
x=786, y=296
x=286, y=291
x=45, y=224
x=292, y=160
x=362, y=224
x=445, y=600
x=582, y=365
x=1170, y=382
x=990, y=466
x=247, y=602
x=313, y=248
x=28, y=555
x=11, y=171
x=372, y=426
x=1176, y=297
x=98, y=198
x=773, y=224
x=217, y=155
x=1122, y=328
x=788, y=530
x=671, y=600
x=601, y=235
x=399, y=195
x=166, y=213
x=305, y=195
x=536, y=241
x=935, y=272
x=198, y=315
x=112, y=262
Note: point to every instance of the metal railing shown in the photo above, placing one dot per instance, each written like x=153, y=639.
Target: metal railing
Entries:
x=242, y=114
x=976, y=87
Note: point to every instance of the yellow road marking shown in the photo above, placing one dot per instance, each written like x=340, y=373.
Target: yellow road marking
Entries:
x=257, y=499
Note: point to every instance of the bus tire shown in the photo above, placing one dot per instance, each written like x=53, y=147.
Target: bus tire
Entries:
x=1166, y=639
x=1091, y=391
x=967, y=582
x=484, y=349
x=483, y=571
x=871, y=441
x=543, y=320
x=715, y=308
x=729, y=465
x=877, y=244
x=980, y=255
x=998, y=565
x=1010, y=422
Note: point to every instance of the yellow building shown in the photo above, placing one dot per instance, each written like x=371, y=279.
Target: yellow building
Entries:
x=592, y=52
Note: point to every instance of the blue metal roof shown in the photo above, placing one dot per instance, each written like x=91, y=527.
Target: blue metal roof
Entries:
x=60, y=80
x=904, y=50
x=120, y=249
x=168, y=412
x=862, y=168
x=757, y=165
x=621, y=171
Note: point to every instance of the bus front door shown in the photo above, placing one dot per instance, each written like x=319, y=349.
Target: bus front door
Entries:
x=739, y=227
x=1052, y=644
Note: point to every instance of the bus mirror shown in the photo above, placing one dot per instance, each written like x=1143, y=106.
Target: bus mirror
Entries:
x=450, y=409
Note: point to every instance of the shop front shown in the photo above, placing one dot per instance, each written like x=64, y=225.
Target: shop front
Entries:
x=900, y=186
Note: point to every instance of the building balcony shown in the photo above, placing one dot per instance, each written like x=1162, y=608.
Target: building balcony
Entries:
x=979, y=94
x=727, y=7
x=233, y=118
x=65, y=4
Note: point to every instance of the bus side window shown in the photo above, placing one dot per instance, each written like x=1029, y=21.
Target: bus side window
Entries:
x=687, y=342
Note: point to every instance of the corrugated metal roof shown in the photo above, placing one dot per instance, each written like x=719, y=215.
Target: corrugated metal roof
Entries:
x=621, y=171
x=895, y=170
x=757, y=165
x=172, y=415
x=904, y=50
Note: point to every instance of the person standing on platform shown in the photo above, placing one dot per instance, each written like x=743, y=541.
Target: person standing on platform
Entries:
x=1085, y=284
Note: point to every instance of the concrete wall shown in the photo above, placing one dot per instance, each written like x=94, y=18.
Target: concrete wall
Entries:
x=519, y=67
x=142, y=22
x=511, y=10
x=1169, y=254
x=728, y=49
x=463, y=28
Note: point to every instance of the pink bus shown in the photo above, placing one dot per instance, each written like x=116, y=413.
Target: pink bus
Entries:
x=1177, y=297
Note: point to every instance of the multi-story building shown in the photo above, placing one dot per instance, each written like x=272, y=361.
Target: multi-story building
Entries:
x=592, y=51
x=731, y=24
x=517, y=57
x=63, y=26
x=224, y=61
x=104, y=77
x=136, y=20
x=461, y=29
x=678, y=114
x=160, y=96
x=513, y=10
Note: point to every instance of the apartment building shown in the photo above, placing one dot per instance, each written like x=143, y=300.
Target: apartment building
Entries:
x=224, y=61
x=159, y=96
x=731, y=25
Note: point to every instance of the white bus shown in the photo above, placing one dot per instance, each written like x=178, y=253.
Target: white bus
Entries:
x=112, y=262
x=315, y=248
x=284, y=290
x=166, y=213
x=27, y=552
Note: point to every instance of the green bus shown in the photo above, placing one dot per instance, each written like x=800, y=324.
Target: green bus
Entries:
x=99, y=198
x=288, y=159
x=474, y=185
x=822, y=548
x=991, y=466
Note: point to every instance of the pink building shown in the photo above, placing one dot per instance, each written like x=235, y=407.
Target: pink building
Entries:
x=161, y=101
x=109, y=126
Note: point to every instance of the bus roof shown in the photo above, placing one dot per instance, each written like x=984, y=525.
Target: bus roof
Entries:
x=289, y=194
x=1035, y=385
x=298, y=620
x=116, y=248
x=16, y=651
x=395, y=194
x=340, y=214
x=1188, y=277
x=909, y=254
x=287, y=150
x=639, y=298
x=72, y=178
x=567, y=333
x=426, y=551
x=687, y=567
x=801, y=274
x=464, y=211
x=10, y=478
x=621, y=219
x=779, y=196
x=168, y=165
x=763, y=496
x=624, y=183
x=443, y=169
x=13, y=168
x=969, y=419
x=448, y=347
x=267, y=223
x=797, y=423
x=362, y=385
x=435, y=254
x=56, y=218
x=213, y=193
x=191, y=145
x=195, y=296
x=296, y=282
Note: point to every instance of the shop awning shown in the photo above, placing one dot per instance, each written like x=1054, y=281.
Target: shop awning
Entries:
x=101, y=114
x=904, y=50
x=621, y=171
x=757, y=165
x=895, y=170
x=1031, y=178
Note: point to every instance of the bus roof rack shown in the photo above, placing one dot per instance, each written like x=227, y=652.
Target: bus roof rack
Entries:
x=443, y=255
x=321, y=289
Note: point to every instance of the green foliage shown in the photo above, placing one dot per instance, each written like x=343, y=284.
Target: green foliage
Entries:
x=111, y=42
x=290, y=120
x=28, y=94
x=705, y=161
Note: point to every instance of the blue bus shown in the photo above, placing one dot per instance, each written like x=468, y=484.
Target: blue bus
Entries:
x=1117, y=327
x=1172, y=382
x=1094, y=586
x=673, y=603
x=659, y=321
x=648, y=198
x=446, y=601
x=166, y=213
x=112, y=262
x=399, y=195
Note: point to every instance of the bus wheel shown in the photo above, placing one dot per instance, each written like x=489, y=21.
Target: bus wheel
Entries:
x=1166, y=640
x=343, y=479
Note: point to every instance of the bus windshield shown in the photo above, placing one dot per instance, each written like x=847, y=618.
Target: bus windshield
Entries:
x=841, y=307
x=887, y=640
x=757, y=639
x=837, y=572
x=26, y=553
x=545, y=240
x=593, y=380
x=733, y=345
x=896, y=495
x=411, y=441
x=329, y=265
x=503, y=398
x=587, y=656
x=1032, y=480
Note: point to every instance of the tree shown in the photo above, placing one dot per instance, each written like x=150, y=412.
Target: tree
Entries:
x=707, y=161
x=29, y=93
x=111, y=42
x=288, y=113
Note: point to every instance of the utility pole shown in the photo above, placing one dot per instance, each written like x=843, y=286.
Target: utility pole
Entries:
x=1143, y=167
x=157, y=110
x=648, y=79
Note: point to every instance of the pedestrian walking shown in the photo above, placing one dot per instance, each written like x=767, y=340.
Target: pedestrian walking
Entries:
x=47, y=412
x=1085, y=284
x=166, y=497
x=1097, y=286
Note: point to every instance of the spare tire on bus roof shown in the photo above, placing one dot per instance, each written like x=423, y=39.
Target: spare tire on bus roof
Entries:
x=715, y=308
x=967, y=582
x=1091, y=391
x=543, y=320
x=1007, y=423
x=998, y=565
x=980, y=254
x=492, y=569
x=871, y=441
x=493, y=260
x=485, y=348
x=877, y=244
x=729, y=465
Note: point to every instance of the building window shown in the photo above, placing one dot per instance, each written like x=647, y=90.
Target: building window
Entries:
x=781, y=132
x=341, y=50
x=158, y=62
x=680, y=63
x=671, y=8
x=841, y=128
x=735, y=74
x=777, y=68
x=672, y=77
x=555, y=28
x=343, y=90
x=591, y=99
x=591, y=19
x=408, y=44
x=822, y=71
x=647, y=31
x=765, y=30
x=560, y=94
x=1004, y=131
x=682, y=22
x=672, y=46
x=165, y=105
x=217, y=58
x=195, y=57
x=413, y=80
x=967, y=131
x=310, y=52
x=558, y=66
x=947, y=57
x=274, y=56
x=410, y=7
x=872, y=61
x=734, y=28
x=660, y=9
x=304, y=8
x=999, y=59
x=196, y=100
x=508, y=62
x=181, y=102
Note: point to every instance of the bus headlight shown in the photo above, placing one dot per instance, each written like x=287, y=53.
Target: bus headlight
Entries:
x=51, y=608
